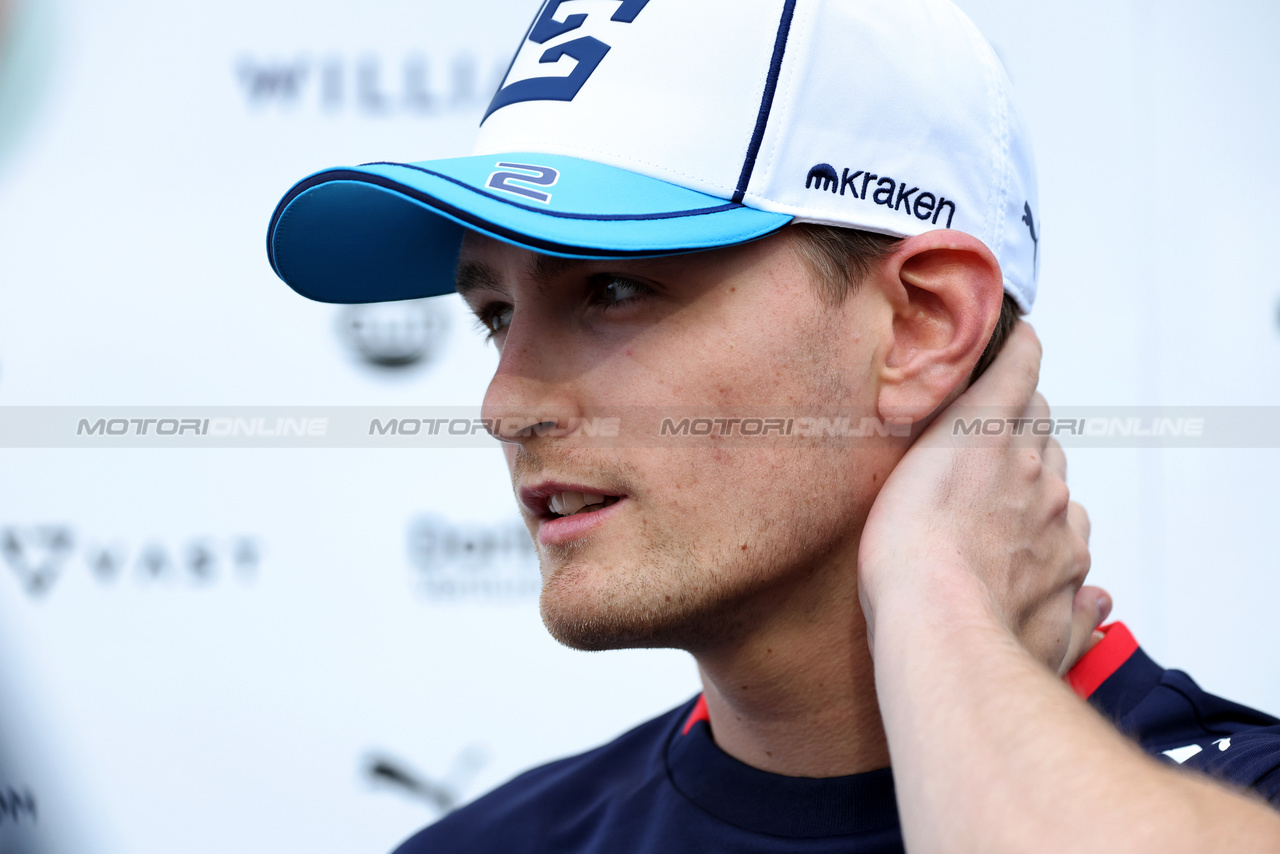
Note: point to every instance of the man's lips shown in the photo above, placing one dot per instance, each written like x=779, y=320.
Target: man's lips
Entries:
x=555, y=529
x=562, y=530
x=537, y=498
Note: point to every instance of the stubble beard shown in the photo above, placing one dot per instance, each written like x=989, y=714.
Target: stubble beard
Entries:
x=657, y=592
x=678, y=590
x=655, y=600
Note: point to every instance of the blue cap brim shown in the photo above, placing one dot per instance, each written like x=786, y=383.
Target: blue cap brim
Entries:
x=391, y=231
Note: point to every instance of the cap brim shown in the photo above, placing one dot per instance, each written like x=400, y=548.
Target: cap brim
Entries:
x=392, y=231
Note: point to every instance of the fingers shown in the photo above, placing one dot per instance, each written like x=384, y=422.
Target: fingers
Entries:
x=1055, y=459
x=1037, y=412
x=1096, y=598
x=1089, y=609
x=1037, y=408
x=1012, y=378
x=1078, y=519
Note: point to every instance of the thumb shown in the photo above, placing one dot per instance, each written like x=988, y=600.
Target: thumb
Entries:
x=1089, y=609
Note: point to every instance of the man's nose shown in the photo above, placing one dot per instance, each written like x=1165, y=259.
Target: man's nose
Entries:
x=526, y=400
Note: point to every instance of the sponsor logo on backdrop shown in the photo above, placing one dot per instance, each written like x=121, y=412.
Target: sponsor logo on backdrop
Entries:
x=17, y=805
x=441, y=793
x=390, y=336
x=472, y=561
x=370, y=84
x=36, y=555
x=40, y=555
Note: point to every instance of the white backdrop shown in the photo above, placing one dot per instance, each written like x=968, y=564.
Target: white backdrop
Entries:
x=212, y=650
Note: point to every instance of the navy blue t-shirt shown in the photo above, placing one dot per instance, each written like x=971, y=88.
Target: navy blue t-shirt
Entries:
x=665, y=787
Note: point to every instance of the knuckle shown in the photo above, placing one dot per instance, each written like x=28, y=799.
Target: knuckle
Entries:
x=1030, y=465
x=1033, y=337
x=1059, y=496
x=1031, y=373
x=1084, y=560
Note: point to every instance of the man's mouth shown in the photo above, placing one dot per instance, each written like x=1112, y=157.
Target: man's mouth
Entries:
x=573, y=503
x=551, y=503
x=551, y=500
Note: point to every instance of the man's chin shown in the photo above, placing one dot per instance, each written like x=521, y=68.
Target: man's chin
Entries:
x=587, y=611
x=585, y=622
x=594, y=635
x=594, y=631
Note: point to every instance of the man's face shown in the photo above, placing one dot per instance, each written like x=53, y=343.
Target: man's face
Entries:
x=693, y=543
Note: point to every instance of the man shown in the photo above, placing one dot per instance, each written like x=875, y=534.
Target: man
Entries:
x=785, y=209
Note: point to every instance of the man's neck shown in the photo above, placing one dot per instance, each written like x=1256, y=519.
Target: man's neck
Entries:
x=798, y=696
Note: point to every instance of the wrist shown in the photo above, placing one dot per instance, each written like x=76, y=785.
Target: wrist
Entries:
x=938, y=598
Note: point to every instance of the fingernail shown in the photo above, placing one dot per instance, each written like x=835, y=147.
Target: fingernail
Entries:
x=1104, y=608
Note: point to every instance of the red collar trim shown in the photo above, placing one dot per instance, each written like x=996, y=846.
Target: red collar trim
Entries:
x=1099, y=663
x=699, y=713
x=1095, y=667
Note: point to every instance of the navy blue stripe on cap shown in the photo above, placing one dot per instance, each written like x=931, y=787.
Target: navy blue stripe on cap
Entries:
x=766, y=100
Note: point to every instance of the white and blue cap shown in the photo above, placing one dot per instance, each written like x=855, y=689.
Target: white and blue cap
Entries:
x=639, y=128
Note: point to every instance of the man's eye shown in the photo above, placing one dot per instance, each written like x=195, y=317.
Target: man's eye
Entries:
x=611, y=290
x=495, y=318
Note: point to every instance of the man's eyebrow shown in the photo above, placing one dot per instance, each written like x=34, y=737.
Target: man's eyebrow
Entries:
x=473, y=276
x=544, y=268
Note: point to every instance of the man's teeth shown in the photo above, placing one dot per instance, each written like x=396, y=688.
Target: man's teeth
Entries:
x=568, y=503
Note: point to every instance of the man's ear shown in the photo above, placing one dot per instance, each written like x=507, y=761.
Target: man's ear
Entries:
x=945, y=290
